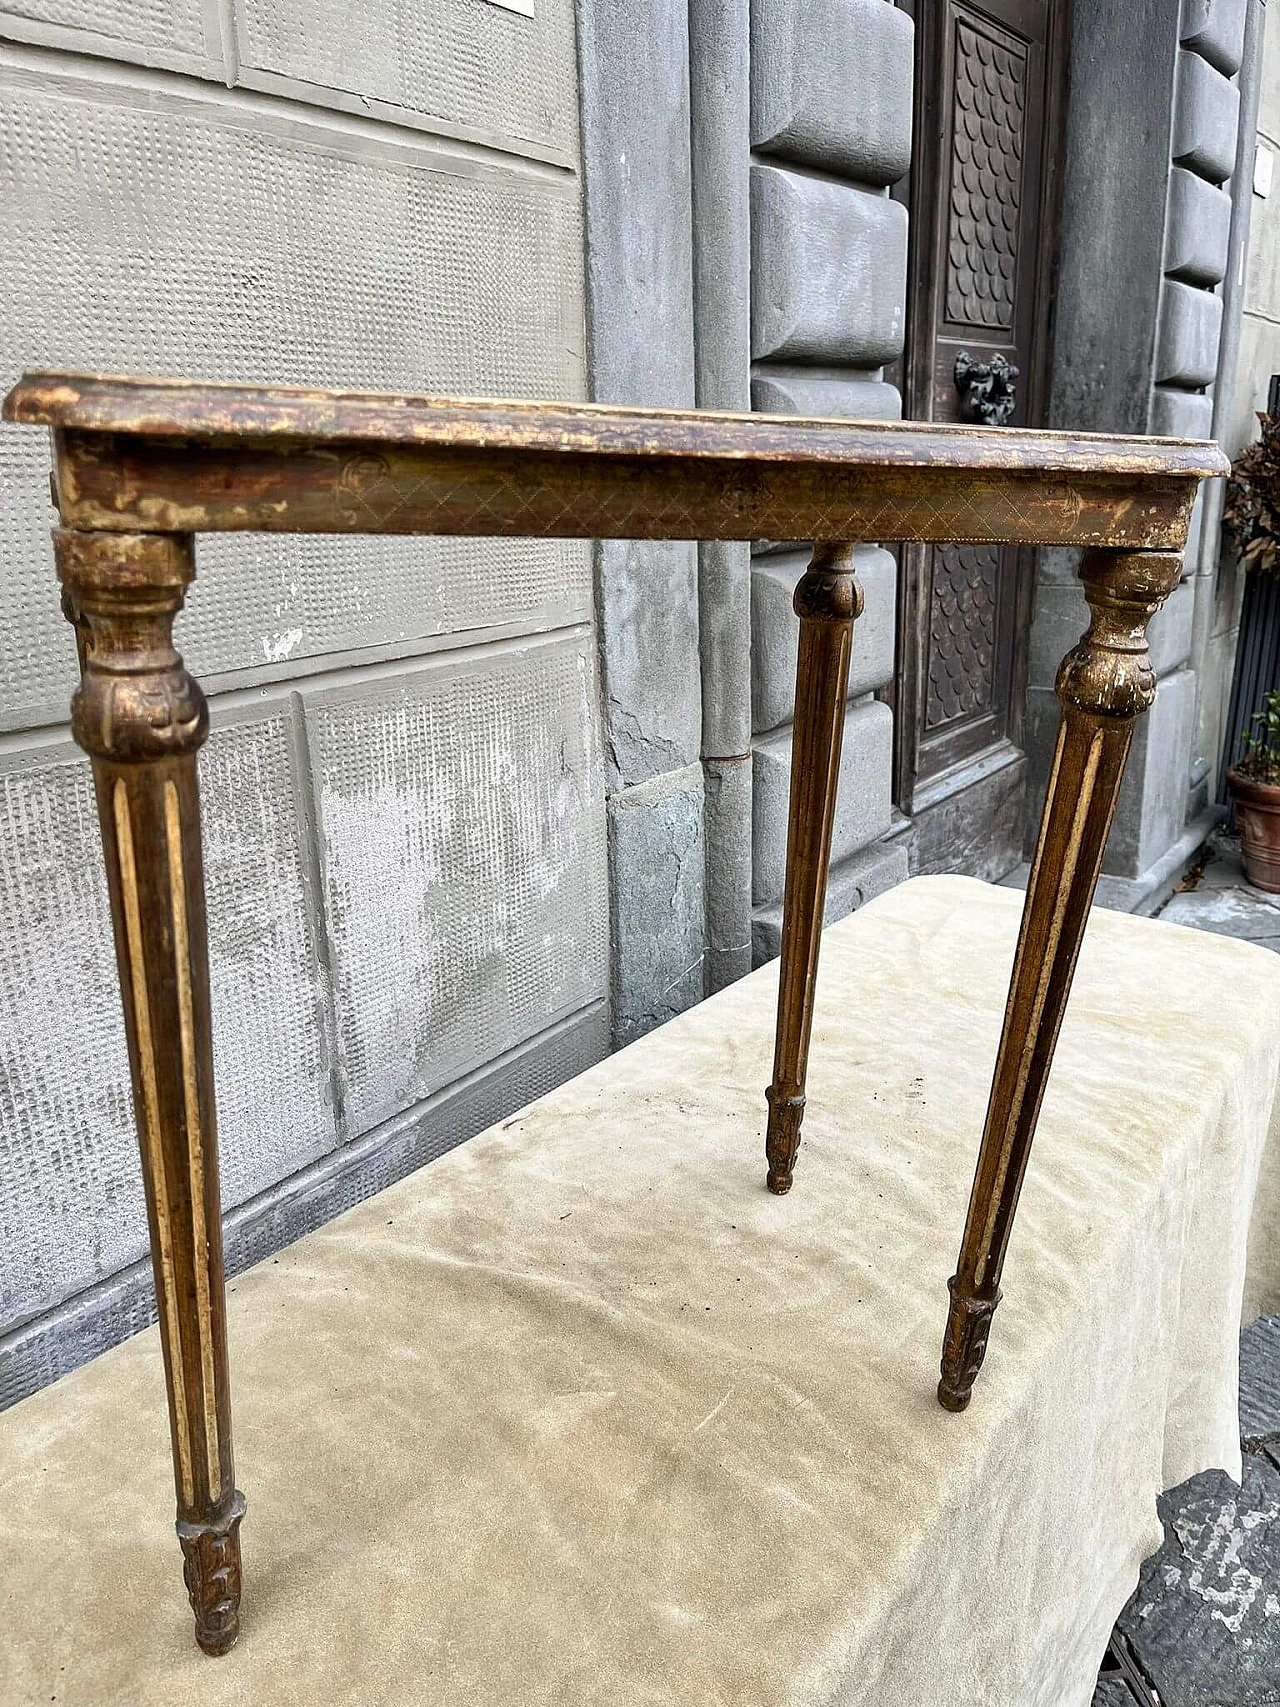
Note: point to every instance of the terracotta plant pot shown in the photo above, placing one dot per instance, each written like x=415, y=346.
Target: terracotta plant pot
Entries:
x=1258, y=815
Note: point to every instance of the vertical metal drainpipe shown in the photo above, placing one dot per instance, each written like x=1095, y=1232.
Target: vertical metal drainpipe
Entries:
x=1224, y=388
x=719, y=112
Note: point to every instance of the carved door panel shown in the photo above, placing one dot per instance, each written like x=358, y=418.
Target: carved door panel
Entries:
x=982, y=194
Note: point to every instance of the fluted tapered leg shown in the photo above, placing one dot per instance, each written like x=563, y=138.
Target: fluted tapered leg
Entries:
x=1104, y=684
x=142, y=719
x=828, y=599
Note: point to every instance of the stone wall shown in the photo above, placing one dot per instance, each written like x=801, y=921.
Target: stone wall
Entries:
x=1259, y=351
x=422, y=750
x=635, y=134
x=1246, y=382
x=1145, y=245
x=478, y=810
x=405, y=825
x=742, y=251
x=828, y=289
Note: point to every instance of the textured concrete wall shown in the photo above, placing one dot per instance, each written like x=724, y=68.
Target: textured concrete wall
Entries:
x=829, y=259
x=497, y=72
x=406, y=835
x=1144, y=251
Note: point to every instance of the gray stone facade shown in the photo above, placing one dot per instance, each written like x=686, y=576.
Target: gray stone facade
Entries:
x=1147, y=247
x=478, y=811
x=406, y=829
x=475, y=811
x=790, y=299
x=828, y=295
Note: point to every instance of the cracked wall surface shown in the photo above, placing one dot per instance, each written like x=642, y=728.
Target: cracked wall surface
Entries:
x=634, y=64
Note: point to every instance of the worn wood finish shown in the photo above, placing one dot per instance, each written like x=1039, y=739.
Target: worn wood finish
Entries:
x=139, y=466
x=828, y=600
x=345, y=486
x=1104, y=684
x=180, y=408
x=142, y=719
x=143, y=457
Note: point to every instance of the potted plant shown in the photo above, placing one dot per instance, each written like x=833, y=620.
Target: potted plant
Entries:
x=1251, y=510
x=1254, y=781
x=1251, y=517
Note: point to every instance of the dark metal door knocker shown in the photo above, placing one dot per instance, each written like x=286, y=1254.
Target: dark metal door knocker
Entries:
x=986, y=388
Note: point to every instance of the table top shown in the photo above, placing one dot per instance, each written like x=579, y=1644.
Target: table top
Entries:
x=175, y=408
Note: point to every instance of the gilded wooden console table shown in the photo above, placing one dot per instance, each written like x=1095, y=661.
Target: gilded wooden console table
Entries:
x=140, y=466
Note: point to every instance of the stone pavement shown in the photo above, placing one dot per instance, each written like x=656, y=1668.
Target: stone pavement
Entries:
x=1215, y=897
x=1203, y=1626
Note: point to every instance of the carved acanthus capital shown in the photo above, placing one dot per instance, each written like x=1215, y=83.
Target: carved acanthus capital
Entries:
x=1109, y=674
x=136, y=701
x=829, y=591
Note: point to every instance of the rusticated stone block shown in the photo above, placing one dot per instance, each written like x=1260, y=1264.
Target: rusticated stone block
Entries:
x=1215, y=29
x=426, y=61
x=1169, y=631
x=170, y=32
x=800, y=391
x=1206, y=113
x=73, y=1210
x=656, y=855
x=477, y=310
x=828, y=270
x=1261, y=291
x=804, y=55
x=1198, y=229
x=649, y=647
x=775, y=631
x=1181, y=414
x=727, y=830
x=1112, y=1691
x=857, y=880
x=488, y=925
x=1153, y=797
x=1187, y=349
x=862, y=806
x=1062, y=617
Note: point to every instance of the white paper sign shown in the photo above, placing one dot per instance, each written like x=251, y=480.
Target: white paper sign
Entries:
x=1263, y=161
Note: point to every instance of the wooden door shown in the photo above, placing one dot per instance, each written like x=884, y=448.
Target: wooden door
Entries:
x=982, y=192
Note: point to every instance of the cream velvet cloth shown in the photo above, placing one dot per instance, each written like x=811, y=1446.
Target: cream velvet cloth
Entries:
x=581, y=1415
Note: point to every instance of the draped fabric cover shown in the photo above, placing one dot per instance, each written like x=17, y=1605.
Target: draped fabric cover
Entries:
x=580, y=1415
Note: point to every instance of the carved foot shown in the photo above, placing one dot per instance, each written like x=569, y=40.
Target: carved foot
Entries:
x=783, y=1140
x=964, y=1346
x=211, y=1571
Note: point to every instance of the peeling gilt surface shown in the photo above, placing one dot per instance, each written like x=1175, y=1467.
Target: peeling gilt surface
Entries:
x=174, y=408
x=148, y=456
